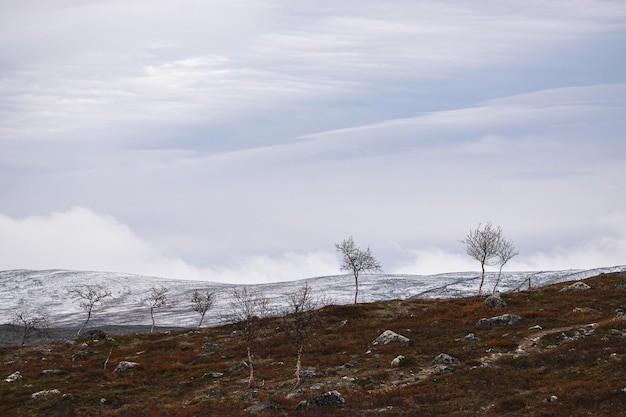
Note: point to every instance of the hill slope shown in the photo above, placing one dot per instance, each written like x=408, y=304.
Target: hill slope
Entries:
x=566, y=357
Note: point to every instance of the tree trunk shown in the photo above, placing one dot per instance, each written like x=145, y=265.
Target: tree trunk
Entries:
x=356, y=285
x=251, y=378
x=498, y=279
x=152, y=316
x=298, y=366
x=84, y=324
x=201, y=319
x=482, y=277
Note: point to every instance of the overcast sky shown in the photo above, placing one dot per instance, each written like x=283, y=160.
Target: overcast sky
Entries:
x=238, y=140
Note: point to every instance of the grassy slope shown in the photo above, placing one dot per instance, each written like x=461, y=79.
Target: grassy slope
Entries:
x=587, y=374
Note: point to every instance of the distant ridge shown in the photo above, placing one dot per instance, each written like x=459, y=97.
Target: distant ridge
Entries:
x=46, y=292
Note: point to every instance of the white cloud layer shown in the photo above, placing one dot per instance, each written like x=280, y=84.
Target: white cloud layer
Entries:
x=241, y=140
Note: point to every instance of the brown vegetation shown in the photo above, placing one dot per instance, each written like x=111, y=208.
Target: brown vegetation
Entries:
x=195, y=372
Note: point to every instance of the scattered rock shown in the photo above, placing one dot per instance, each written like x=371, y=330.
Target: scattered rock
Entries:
x=389, y=336
x=397, y=361
x=310, y=372
x=470, y=337
x=326, y=399
x=616, y=332
x=212, y=375
x=240, y=365
x=248, y=395
x=621, y=285
x=444, y=358
x=495, y=301
x=443, y=369
x=45, y=393
x=584, y=310
x=551, y=399
x=535, y=327
x=13, y=377
x=505, y=319
x=351, y=364
x=80, y=356
x=48, y=372
x=579, y=285
x=211, y=346
x=124, y=366
x=260, y=407
x=93, y=335
x=295, y=394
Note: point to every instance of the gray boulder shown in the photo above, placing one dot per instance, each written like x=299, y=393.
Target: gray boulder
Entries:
x=397, y=361
x=505, y=319
x=389, y=336
x=45, y=393
x=260, y=407
x=124, y=366
x=13, y=377
x=49, y=372
x=325, y=399
x=579, y=285
x=495, y=301
x=444, y=358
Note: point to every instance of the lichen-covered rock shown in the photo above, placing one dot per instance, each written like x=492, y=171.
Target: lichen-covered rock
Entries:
x=260, y=407
x=389, y=336
x=45, y=393
x=124, y=366
x=444, y=358
x=325, y=399
x=505, y=319
x=397, y=361
x=579, y=285
x=13, y=377
x=495, y=301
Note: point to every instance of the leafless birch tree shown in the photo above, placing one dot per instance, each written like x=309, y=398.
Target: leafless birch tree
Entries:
x=27, y=324
x=482, y=244
x=357, y=261
x=246, y=311
x=157, y=299
x=201, y=303
x=298, y=319
x=87, y=297
x=505, y=252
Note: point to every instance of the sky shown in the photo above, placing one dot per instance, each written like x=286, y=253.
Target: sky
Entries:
x=238, y=141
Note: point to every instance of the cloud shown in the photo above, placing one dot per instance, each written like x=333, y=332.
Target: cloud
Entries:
x=81, y=239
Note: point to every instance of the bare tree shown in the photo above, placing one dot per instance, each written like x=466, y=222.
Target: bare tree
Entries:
x=27, y=325
x=482, y=245
x=157, y=299
x=201, y=303
x=88, y=296
x=505, y=252
x=246, y=311
x=357, y=261
x=298, y=319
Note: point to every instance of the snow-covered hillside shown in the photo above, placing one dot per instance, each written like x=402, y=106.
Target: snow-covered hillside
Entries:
x=47, y=293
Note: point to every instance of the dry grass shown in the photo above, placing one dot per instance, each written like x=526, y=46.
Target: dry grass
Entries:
x=179, y=377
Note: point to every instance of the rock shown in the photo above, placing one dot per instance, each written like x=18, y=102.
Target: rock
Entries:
x=579, y=285
x=444, y=358
x=124, y=366
x=211, y=346
x=80, y=356
x=351, y=364
x=397, y=361
x=551, y=399
x=48, y=372
x=389, y=336
x=212, y=375
x=310, y=372
x=325, y=399
x=505, y=319
x=442, y=369
x=13, y=377
x=470, y=337
x=495, y=301
x=535, y=327
x=616, y=332
x=93, y=335
x=248, y=396
x=621, y=285
x=260, y=407
x=240, y=365
x=45, y=393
